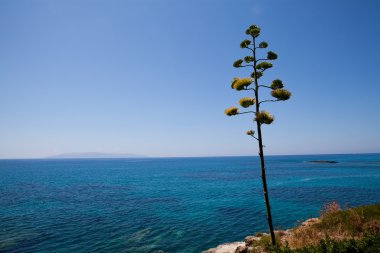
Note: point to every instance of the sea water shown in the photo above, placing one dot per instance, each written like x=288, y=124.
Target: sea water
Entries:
x=168, y=204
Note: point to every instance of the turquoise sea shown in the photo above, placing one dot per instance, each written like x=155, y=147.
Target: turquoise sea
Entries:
x=168, y=204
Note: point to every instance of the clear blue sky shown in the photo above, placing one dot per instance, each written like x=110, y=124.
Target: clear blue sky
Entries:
x=152, y=77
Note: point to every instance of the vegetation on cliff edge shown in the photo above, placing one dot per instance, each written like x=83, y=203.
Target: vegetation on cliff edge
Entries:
x=350, y=230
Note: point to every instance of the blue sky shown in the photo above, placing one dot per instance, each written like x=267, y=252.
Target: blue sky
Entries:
x=152, y=77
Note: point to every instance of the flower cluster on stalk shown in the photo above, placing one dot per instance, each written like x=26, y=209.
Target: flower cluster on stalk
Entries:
x=259, y=65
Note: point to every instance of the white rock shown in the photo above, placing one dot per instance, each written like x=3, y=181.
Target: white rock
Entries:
x=225, y=248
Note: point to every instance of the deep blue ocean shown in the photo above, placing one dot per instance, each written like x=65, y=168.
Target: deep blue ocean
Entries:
x=168, y=204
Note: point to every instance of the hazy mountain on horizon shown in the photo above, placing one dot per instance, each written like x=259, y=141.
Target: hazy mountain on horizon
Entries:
x=94, y=155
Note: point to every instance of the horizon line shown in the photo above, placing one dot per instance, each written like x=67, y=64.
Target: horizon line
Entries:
x=160, y=157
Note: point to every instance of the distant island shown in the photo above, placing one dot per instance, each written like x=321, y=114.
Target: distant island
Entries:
x=323, y=161
x=93, y=155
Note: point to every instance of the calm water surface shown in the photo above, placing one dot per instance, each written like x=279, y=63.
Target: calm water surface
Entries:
x=168, y=205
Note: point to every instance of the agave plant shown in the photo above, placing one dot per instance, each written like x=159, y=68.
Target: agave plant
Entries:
x=277, y=91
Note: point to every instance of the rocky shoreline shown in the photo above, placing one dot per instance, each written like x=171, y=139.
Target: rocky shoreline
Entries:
x=246, y=245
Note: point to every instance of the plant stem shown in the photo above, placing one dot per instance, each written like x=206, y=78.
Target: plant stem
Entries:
x=261, y=152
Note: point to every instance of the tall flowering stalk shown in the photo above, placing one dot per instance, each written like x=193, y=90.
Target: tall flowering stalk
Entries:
x=259, y=66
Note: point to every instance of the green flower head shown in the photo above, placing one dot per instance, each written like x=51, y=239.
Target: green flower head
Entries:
x=245, y=43
x=272, y=55
x=231, y=111
x=249, y=59
x=263, y=45
x=246, y=102
x=276, y=84
x=257, y=75
x=281, y=94
x=264, y=117
x=253, y=30
x=264, y=65
x=238, y=63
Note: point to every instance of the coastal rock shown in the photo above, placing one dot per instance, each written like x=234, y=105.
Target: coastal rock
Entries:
x=241, y=249
x=226, y=248
x=251, y=239
x=310, y=222
x=248, y=244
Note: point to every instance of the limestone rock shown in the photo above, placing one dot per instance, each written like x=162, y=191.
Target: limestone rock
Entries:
x=241, y=249
x=251, y=239
x=226, y=248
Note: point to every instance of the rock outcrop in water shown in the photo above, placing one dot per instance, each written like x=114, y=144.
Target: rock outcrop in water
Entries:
x=322, y=161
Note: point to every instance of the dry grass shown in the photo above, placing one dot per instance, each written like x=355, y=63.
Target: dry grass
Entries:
x=329, y=208
x=336, y=224
x=336, y=230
